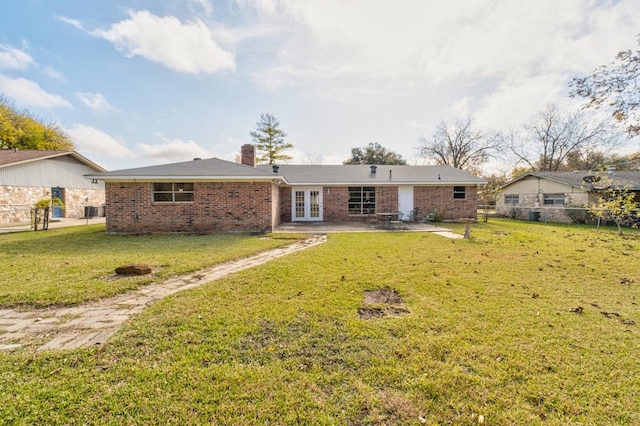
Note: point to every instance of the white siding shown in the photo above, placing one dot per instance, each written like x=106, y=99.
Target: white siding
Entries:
x=63, y=172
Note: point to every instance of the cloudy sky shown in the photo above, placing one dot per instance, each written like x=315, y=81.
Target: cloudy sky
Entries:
x=141, y=82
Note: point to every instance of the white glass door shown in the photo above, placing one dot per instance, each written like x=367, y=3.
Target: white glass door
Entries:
x=307, y=204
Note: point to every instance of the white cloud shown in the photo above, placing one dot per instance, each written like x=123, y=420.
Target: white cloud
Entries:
x=204, y=5
x=29, y=93
x=73, y=22
x=94, y=101
x=517, y=99
x=94, y=141
x=172, y=150
x=52, y=73
x=417, y=43
x=184, y=47
x=14, y=59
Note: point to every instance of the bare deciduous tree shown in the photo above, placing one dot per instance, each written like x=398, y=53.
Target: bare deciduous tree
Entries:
x=461, y=146
x=615, y=87
x=312, y=158
x=553, y=135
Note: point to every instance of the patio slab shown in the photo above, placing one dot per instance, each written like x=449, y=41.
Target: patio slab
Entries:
x=372, y=226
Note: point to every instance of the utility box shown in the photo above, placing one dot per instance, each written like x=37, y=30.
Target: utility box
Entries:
x=90, y=211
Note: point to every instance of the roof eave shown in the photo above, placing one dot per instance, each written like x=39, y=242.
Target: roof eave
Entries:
x=74, y=154
x=166, y=178
x=391, y=183
x=539, y=176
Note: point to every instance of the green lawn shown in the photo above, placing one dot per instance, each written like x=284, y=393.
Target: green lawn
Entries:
x=486, y=328
x=77, y=264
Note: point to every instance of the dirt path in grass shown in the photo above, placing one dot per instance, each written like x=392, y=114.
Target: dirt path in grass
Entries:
x=94, y=323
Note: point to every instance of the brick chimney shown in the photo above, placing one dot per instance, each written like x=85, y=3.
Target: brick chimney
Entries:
x=248, y=155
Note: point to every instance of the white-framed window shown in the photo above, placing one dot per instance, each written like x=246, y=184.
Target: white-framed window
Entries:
x=512, y=199
x=459, y=192
x=172, y=192
x=362, y=200
x=553, y=199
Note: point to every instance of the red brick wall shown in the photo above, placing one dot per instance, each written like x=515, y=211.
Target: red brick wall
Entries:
x=386, y=199
x=428, y=198
x=425, y=198
x=248, y=155
x=217, y=207
x=285, y=204
x=335, y=200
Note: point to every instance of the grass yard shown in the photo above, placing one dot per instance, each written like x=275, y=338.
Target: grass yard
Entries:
x=72, y=265
x=524, y=324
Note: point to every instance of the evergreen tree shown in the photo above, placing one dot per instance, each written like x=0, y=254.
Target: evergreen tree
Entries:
x=269, y=140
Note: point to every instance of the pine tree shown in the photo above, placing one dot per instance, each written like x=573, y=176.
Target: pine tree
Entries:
x=269, y=140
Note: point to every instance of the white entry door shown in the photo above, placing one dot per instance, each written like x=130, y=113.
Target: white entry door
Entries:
x=405, y=200
x=306, y=204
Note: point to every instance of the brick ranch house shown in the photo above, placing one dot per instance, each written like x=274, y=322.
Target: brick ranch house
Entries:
x=560, y=196
x=27, y=176
x=213, y=195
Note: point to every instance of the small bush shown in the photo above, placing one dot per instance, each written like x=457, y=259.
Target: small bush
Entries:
x=576, y=214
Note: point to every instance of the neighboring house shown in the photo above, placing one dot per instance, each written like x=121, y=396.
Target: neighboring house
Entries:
x=27, y=176
x=560, y=196
x=214, y=195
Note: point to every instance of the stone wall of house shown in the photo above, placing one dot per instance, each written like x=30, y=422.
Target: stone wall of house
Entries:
x=76, y=200
x=217, y=207
x=428, y=199
x=574, y=204
x=16, y=202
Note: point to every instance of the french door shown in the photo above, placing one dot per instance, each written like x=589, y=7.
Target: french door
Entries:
x=306, y=204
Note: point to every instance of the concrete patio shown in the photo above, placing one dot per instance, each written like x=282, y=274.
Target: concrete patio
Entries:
x=373, y=226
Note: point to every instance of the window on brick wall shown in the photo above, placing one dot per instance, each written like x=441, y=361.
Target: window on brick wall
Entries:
x=172, y=192
x=362, y=200
x=459, y=192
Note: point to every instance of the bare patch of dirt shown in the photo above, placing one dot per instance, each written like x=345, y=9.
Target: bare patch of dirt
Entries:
x=384, y=295
x=370, y=313
x=382, y=303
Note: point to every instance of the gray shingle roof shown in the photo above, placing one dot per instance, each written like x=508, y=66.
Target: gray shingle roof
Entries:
x=216, y=169
x=576, y=178
x=9, y=157
x=384, y=175
x=212, y=168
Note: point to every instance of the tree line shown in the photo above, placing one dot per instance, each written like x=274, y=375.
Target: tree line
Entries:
x=21, y=130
